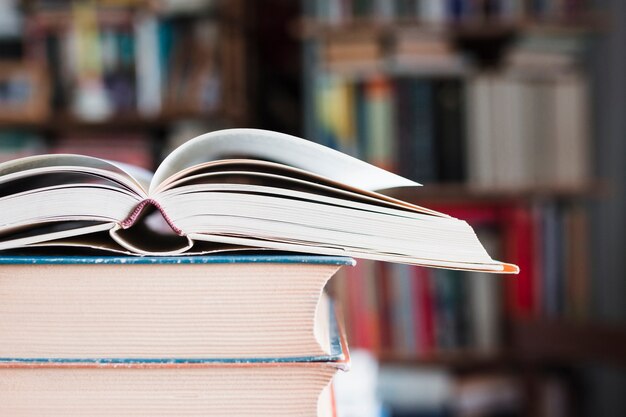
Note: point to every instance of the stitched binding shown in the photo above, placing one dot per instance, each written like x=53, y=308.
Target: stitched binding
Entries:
x=134, y=215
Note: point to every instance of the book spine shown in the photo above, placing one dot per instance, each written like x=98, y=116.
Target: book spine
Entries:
x=480, y=163
x=424, y=165
x=520, y=237
x=148, y=65
x=428, y=318
x=449, y=120
x=387, y=301
x=404, y=103
x=380, y=129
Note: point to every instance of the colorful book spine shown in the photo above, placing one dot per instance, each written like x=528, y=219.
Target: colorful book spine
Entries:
x=379, y=123
x=450, y=132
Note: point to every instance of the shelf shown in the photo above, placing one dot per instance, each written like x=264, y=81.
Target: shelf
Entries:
x=554, y=342
x=122, y=15
x=65, y=123
x=362, y=72
x=562, y=342
x=308, y=28
x=64, y=18
x=459, y=360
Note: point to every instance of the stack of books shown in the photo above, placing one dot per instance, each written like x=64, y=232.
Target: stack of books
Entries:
x=162, y=336
x=211, y=320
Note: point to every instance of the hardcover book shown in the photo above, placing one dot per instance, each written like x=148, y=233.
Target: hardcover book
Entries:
x=184, y=386
x=227, y=190
x=154, y=308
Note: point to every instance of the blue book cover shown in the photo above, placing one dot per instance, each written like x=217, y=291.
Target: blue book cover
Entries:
x=169, y=260
x=423, y=149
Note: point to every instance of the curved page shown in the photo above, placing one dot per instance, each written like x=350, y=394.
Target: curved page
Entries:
x=278, y=147
x=135, y=178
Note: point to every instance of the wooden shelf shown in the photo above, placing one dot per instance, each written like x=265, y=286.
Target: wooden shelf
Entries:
x=65, y=123
x=555, y=342
x=398, y=69
x=457, y=360
x=584, y=24
x=563, y=342
x=63, y=18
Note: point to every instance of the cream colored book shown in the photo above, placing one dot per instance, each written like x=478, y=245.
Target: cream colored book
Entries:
x=166, y=308
x=183, y=390
x=230, y=190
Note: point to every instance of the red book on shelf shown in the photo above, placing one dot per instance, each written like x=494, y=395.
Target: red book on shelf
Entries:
x=425, y=310
x=385, y=303
x=372, y=306
x=379, y=123
x=364, y=306
x=356, y=306
x=520, y=237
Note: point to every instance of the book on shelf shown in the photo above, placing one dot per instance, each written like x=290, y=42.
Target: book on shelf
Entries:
x=408, y=124
x=441, y=314
x=447, y=11
x=420, y=313
x=500, y=131
x=525, y=132
x=416, y=130
x=556, y=283
x=226, y=190
x=110, y=59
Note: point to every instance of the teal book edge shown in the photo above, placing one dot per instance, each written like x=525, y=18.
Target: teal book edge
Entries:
x=169, y=260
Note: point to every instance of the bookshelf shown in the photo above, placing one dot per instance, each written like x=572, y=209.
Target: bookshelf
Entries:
x=485, y=88
x=142, y=68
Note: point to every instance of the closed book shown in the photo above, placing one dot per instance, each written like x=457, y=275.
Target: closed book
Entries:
x=522, y=292
x=449, y=98
x=379, y=122
x=148, y=308
x=416, y=142
x=423, y=152
x=405, y=337
x=552, y=268
x=484, y=294
x=481, y=163
x=425, y=315
x=254, y=386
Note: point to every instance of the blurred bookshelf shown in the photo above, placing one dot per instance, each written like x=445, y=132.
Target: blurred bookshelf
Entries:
x=486, y=103
x=82, y=72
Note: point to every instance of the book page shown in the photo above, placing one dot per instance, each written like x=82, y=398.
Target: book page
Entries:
x=66, y=203
x=46, y=234
x=264, y=172
x=281, y=148
x=134, y=178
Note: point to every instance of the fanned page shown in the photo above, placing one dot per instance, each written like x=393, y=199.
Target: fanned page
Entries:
x=45, y=198
x=231, y=189
x=278, y=147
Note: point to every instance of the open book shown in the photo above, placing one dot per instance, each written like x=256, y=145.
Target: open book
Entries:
x=230, y=190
